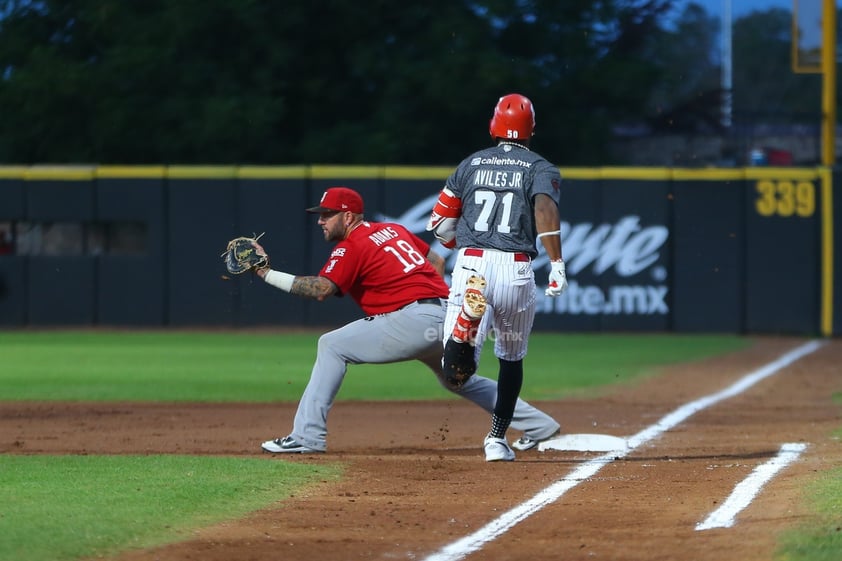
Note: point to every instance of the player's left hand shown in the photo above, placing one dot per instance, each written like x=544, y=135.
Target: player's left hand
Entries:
x=558, y=279
x=245, y=254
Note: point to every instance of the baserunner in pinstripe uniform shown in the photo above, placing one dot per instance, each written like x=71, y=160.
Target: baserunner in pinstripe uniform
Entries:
x=492, y=209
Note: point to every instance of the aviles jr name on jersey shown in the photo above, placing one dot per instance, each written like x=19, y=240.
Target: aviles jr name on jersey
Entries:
x=490, y=178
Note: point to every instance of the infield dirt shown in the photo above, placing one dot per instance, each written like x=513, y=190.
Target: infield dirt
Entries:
x=416, y=479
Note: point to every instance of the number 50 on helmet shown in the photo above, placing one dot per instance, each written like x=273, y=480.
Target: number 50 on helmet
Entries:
x=514, y=118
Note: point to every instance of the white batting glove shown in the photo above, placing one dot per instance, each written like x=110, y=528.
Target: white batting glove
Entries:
x=558, y=279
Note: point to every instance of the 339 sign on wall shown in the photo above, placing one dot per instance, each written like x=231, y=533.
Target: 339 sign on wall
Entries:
x=785, y=198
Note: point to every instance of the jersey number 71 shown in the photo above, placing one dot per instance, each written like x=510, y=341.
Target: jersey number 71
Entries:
x=487, y=200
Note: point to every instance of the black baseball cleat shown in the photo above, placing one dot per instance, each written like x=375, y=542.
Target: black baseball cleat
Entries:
x=458, y=362
x=526, y=443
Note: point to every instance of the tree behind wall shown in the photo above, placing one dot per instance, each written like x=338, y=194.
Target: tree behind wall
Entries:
x=266, y=82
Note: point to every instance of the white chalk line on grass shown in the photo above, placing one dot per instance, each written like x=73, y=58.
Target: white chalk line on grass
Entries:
x=473, y=542
x=748, y=488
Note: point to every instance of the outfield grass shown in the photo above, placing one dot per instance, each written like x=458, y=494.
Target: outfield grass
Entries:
x=239, y=366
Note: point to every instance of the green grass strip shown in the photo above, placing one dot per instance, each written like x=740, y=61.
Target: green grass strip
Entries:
x=240, y=366
x=560, y=365
x=55, y=508
x=822, y=542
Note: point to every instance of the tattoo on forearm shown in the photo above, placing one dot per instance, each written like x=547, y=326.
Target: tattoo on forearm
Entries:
x=311, y=287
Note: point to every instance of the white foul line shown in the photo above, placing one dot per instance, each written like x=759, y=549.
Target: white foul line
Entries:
x=747, y=489
x=473, y=542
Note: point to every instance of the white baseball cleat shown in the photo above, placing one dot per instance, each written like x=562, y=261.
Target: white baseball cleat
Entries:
x=497, y=450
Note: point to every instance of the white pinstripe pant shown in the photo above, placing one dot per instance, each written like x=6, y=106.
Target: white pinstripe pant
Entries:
x=510, y=293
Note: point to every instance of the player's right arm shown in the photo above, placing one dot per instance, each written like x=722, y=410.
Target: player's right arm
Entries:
x=445, y=215
x=316, y=288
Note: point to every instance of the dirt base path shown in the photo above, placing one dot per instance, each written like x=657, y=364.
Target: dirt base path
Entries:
x=417, y=480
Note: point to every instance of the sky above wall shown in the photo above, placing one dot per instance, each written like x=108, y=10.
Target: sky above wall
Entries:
x=743, y=7
x=810, y=20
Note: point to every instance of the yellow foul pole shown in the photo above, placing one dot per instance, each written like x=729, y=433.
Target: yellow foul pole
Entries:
x=829, y=82
x=828, y=159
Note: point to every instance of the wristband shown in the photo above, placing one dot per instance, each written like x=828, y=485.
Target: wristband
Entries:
x=279, y=279
x=542, y=234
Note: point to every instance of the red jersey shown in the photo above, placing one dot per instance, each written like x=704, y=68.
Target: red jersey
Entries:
x=383, y=267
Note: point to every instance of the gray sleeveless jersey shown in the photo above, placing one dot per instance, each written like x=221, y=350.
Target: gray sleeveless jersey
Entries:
x=497, y=187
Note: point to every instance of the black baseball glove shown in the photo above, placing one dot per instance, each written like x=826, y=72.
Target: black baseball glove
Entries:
x=459, y=363
x=244, y=254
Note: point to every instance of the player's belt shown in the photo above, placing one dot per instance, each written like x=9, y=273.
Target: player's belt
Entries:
x=436, y=301
x=474, y=252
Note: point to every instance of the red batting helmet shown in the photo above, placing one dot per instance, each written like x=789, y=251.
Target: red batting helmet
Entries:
x=514, y=118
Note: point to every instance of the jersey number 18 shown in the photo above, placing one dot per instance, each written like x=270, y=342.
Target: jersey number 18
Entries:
x=409, y=252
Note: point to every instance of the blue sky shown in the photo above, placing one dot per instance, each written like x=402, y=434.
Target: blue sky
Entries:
x=742, y=7
x=809, y=9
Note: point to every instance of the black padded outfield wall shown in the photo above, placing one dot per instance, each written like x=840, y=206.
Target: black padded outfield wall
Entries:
x=131, y=277
x=708, y=253
x=647, y=249
x=617, y=247
x=61, y=279
x=202, y=209
x=783, y=259
x=13, y=307
x=269, y=205
x=209, y=206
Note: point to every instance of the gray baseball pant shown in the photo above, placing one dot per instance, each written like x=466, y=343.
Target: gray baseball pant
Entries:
x=412, y=333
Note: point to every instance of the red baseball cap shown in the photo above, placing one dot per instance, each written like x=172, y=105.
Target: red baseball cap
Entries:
x=339, y=199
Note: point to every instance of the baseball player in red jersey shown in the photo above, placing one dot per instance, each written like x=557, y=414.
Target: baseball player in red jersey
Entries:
x=396, y=279
x=493, y=207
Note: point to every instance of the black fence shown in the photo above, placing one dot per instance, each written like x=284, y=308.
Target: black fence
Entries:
x=647, y=249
